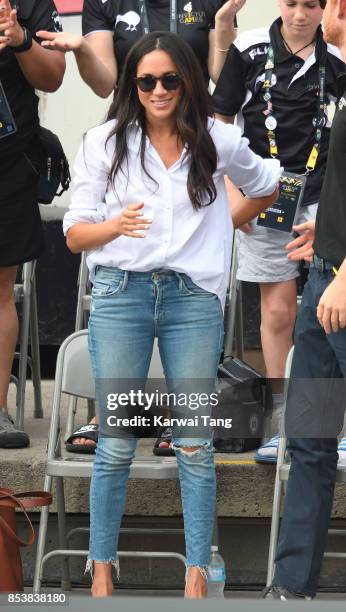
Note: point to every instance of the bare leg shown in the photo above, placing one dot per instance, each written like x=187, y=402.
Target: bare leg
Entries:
x=102, y=580
x=278, y=315
x=8, y=329
x=196, y=586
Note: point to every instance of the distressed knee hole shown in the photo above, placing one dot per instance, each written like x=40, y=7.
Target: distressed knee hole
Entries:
x=193, y=450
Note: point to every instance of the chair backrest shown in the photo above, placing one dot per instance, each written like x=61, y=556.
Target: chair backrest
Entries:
x=76, y=372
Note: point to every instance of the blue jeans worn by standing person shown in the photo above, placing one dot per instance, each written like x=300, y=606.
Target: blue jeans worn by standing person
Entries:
x=128, y=310
x=315, y=404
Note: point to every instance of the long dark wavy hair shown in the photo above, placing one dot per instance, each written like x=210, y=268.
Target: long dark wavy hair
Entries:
x=192, y=115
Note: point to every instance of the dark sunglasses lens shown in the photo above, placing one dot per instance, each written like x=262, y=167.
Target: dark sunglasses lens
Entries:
x=171, y=81
x=146, y=83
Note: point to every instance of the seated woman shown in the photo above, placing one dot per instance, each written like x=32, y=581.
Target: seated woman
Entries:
x=150, y=207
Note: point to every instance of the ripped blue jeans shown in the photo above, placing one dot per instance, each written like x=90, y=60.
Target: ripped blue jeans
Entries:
x=130, y=309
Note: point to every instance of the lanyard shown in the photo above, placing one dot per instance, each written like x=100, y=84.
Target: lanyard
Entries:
x=319, y=120
x=145, y=19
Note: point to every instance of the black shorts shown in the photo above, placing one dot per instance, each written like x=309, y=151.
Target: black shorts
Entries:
x=21, y=233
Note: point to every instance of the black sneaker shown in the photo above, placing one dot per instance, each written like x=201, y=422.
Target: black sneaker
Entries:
x=273, y=592
x=10, y=437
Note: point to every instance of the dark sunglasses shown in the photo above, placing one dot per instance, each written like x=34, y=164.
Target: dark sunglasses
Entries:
x=168, y=82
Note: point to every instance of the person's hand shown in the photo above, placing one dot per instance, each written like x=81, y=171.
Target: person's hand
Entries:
x=246, y=228
x=11, y=32
x=60, y=41
x=301, y=247
x=131, y=221
x=228, y=11
x=331, y=310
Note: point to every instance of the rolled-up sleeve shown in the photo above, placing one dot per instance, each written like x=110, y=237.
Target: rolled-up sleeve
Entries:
x=255, y=176
x=91, y=174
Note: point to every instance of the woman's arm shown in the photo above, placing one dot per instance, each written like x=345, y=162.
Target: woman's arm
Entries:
x=87, y=236
x=94, y=55
x=222, y=37
x=245, y=209
x=257, y=178
x=41, y=69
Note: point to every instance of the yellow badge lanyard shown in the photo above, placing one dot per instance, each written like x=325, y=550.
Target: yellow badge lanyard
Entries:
x=145, y=19
x=319, y=122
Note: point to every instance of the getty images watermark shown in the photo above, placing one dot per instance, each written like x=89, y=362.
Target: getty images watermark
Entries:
x=144, y=402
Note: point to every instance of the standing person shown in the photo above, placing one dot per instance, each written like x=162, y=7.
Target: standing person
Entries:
x=319, y=355
x=24, y=67
x=150, y=206
x=109, y=31
x=279, y=120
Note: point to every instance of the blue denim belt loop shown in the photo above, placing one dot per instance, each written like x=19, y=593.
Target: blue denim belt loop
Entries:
x=322, y=265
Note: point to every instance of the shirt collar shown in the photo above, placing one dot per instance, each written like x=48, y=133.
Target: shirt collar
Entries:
x=280, y=51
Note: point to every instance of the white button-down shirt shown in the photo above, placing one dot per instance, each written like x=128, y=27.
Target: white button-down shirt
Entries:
x=197, y=243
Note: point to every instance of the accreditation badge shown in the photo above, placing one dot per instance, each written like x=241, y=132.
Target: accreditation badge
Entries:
x=7, y=123
x=281, y=215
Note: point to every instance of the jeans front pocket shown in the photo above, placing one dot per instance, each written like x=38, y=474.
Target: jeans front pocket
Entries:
x=190, y=288
x=108, y=282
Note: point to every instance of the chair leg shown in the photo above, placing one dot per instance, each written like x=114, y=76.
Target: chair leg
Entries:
x=72, y=409
x=35, y=352
x=41, y=540
x=65, y=569
x=82, y=289
x=274, y=529
x=24, y=342
x=239, y=323
x=91, y=410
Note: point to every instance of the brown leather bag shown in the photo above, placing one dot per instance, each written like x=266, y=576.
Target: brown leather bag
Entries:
x=11, y=574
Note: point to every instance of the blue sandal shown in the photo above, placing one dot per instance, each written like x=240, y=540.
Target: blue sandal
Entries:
x=272, y=454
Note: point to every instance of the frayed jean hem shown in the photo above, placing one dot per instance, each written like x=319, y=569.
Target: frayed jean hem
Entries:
x=202, y=570
x=89, y=568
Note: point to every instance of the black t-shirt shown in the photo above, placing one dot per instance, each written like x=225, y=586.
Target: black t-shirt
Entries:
x=330, y=241
x=239, y=91
x=122, y=17
x=34, y=15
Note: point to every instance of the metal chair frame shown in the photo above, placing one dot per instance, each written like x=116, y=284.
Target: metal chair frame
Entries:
x=281, y=478
x=25, y=294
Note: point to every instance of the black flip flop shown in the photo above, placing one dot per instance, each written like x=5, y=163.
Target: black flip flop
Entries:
x=90, y=432
x=164, y=435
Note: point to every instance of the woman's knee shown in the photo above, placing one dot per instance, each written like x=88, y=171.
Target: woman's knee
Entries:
x=201, y=452
x=278, y=306
x=116, y=452
x=7, y=281
x=279, y=316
